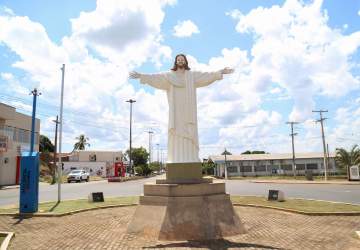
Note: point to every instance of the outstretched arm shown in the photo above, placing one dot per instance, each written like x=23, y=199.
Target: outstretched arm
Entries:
x=158, y=81
x=202, y=79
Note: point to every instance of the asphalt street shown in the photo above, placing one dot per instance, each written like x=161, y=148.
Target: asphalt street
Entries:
x=329, y=192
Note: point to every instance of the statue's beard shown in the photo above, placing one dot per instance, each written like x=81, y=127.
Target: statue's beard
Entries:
x=181, y=66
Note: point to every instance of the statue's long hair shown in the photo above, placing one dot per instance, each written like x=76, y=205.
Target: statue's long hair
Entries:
x=186, y=66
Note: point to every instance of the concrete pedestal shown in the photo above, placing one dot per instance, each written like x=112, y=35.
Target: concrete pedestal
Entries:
x=192, y=209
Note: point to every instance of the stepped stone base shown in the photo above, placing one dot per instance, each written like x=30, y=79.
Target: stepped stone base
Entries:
x=185, y=206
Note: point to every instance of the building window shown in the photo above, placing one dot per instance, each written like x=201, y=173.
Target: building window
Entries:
x=245, y=169
x=312, y=166
x=3, y=143
x=232, y=169
x=286, y=167
x=92, y=157
x=300, y=166
x=260, y=168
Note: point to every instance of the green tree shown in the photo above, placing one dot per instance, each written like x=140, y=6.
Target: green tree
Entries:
x=143, y=170
x=155, y=166
x=345, y=159
x=248, y=152
x=208, y=167
x=46, y=148
x=139, y=156
x=82, y=142
x=45, y=144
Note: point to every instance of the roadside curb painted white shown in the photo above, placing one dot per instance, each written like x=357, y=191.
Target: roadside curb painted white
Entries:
x=6, y=242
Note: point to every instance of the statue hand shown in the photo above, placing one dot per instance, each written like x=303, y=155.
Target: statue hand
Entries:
x=227, y=70
x=134, y=75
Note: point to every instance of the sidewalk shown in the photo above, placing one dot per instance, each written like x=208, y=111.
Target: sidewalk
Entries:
x=106, y=229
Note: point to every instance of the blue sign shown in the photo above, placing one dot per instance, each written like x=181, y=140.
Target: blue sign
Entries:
x=29, y=182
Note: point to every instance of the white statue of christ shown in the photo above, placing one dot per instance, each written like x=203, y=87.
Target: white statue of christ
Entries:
x=180, y=84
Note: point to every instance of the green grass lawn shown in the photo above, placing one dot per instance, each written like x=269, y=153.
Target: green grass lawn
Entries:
x=297, y=204
x=71, y=205
x=2, y=238
x=294, y=204
x=282, y=177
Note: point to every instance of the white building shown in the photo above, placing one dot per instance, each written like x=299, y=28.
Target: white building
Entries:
x=271, y=164
x=15, y=134
x=97, y=163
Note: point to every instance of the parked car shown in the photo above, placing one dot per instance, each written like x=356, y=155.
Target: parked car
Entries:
x=78, y=176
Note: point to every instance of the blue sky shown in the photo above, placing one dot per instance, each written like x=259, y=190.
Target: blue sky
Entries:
x=290, y=57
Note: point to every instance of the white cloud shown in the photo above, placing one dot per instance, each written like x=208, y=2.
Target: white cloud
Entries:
x=6, y=11
x=295, y=48
x=185, y=29
x=128, y=32
x=358, y=13
x=96, y=84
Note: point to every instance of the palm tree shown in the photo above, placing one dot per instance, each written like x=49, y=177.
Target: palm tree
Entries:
x=82, y=142
x=345, y=159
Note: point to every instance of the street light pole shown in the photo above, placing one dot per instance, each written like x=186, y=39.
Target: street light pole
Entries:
x=60, y=132
x=158, y=160
x=131, y=101
x=150, y=134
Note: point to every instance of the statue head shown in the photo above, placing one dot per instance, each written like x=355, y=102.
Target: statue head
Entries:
x=181, y=62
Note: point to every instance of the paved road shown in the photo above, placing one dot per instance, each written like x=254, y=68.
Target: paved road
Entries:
x=330, y=192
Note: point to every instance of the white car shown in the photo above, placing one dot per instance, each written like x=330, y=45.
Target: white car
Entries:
x=78, y=176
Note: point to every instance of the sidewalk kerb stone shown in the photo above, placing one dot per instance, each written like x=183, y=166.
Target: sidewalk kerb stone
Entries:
x=354, y=213
x=64, y=214
x=6, y=242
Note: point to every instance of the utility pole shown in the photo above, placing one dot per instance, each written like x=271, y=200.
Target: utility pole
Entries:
x=56, y=135
x=60, y=135
x=293, y=147
x=150, y=134
x=35, y=94
x=321, y=120
x=131, y=101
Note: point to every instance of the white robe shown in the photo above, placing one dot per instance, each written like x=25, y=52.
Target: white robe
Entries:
x=183, y=142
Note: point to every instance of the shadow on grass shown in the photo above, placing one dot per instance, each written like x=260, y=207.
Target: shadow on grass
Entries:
x=211, y=244
x=53, y=207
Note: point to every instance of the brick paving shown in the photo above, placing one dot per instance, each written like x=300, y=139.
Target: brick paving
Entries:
x=106, y=229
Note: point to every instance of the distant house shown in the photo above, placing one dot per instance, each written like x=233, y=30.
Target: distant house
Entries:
x=15, y=134
x=271, y=164
x=96, y=162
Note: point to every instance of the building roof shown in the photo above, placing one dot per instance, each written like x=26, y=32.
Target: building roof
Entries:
x=258, y=157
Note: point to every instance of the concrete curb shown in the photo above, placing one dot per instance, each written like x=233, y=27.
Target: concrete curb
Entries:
x=355, y=213
x=305, y=182
x=357, y=233
x=28, y=215
x=4, y=245
x=9, y=187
